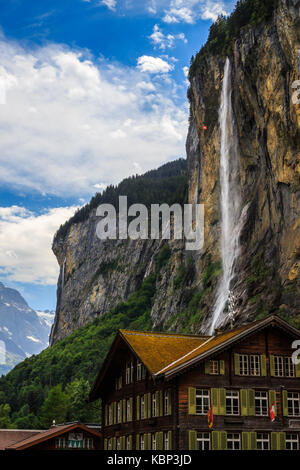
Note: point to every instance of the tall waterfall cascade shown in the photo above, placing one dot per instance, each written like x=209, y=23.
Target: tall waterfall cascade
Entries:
x=230, y=201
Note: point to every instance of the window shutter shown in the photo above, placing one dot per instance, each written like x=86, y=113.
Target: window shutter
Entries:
x=244, y=402
x=170, y=402
x=148, y=439
x=114, y=443
x=251, y=402
x=207, y=367
x=214, y=399
x=192, y=400
x=272, y=399
x=106, y=415
x=245, y=440
x=105, y=444
x=146, y=405
x=124, y=411
x=137, y=442
x=223, y=440
x=115, y=412
x=285, y=403
x=160, y=440
x=222, y=367
x=161, y=404
x=138, y=407
x=131, y=408
x=297, y=370
x=157, y=413
x=149, y=405
x=146, y=442
x=170, y=440
x=192, y=440
x=237, y=364
x=253, y=445
x=281, y=441
x=263, y=365
x=222, y=401
x=272, y=366
x=130, y=442
x=215, y=440
x=123, y=443
x=274, y=441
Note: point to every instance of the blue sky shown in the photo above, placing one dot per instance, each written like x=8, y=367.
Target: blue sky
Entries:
x=90, y=92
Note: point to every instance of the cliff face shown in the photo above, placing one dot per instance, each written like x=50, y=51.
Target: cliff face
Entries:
x=95, y=275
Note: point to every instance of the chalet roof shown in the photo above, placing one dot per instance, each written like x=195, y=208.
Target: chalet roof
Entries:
x=165, y=354
x=9, y=437
x=51, y=433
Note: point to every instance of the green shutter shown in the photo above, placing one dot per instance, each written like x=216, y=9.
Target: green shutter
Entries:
x=106, y=415
x=115, y=412
x=263, y=365
x=131, y=408
x=157, y=403
x=222, y=367
x=149, y=405
x=214, y=400
x=148, y=439
x=114, y=443
x=170, y=402
x=160, y=441
x=244, y=402
x=215, y=440
x=192, y=400
x=223, y=440
x=253, y=444
x=124, y=413
x=170, y=440
x=137, y=442
x=297, y=369
x=105, y=444
x=237, y=364
x=272, y=366
x=245, y=440
x=274, y=441
x=146, y=405
x=138, y=407
x=222, y=401
x=251, y=402
x=281, y=441
x=285, y=410
x=192, y=440
x=123, y=443
x=207, y=367
x=272, y=399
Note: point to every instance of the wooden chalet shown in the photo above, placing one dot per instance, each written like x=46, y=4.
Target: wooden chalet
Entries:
x=157, y=390
x=72, y=436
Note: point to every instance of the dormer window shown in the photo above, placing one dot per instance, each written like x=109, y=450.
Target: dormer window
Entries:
x=129, y=372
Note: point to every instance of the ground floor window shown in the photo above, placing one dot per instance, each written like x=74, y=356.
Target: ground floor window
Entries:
x=263, y=441
x=233, y=441
x=203, y=441
x=153, y=441
x=60, y=443
x=166, y=441
x=142, y=442
x=88, y=443
x=292, y=441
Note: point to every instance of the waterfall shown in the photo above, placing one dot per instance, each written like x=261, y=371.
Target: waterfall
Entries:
x=231, y=222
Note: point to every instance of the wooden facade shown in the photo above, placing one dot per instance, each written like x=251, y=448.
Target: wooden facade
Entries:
x=241, y=376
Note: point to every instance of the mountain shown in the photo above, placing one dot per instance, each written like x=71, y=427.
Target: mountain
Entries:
x=24, y=331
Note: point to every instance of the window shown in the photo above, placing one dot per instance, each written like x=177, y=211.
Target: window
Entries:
x=244, y=370
x=289, y=367
x=128, y=410
x=292, y=441
x=167, y=402
x=110, y=414
x=263, y=441
x=142, y=407
x=128, y=443
x=118, y=443
x=129, y=372
x=88, y=443
x=119, y=383
x=202, y=402
x=278, y=366
x=153, y=441
x=166, y=441
x=232, y=403
x=233, y=441
x=293, y=404
x=203, y=441
x=139, y=371
x=254, y=365
x=214, y=367
x=142, y=446
x=261, y=403
x=60, y=443
x=154, y=405
x=109, y=447
x=119, y=412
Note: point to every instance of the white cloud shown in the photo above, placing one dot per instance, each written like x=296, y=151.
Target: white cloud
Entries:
x=189, y=11
x=151, y=64
x=163, y=41
x=65, y=124
x=111, y=4
x=176, y=15
x=25, y=244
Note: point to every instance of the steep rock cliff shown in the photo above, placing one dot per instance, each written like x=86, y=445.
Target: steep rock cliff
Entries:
x=96, y=275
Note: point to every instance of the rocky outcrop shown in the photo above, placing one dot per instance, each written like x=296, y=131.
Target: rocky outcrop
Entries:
x=95, y=275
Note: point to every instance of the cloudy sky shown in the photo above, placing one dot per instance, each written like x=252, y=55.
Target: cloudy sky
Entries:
x=91, y=91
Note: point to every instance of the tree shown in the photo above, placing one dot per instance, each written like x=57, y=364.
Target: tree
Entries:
x=79, y=409
x=55, y=407
x=4, y=416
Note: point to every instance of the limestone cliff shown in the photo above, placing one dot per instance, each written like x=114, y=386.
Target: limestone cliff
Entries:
x=96, y=275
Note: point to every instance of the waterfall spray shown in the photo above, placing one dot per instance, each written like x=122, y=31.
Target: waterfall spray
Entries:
x=231, y=223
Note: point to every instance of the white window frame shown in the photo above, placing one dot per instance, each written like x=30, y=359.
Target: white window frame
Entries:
x=263, y=440
x=261, y=397
x=153, y=441
x=214, y=368
x=202, y=395
x=289, y=368
x=235, y=439
x=166, y=440
x=292, y=441
x=243, y=364
x=254, y=365
x=154, y=405
x=232, y=396
x=128, y=410
x=139, y=367
x=166, y=402
x=119, y=412
x=142, y=442
x=292, y=398
x=143, y=407
x=278, y=366
x=202, y=439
